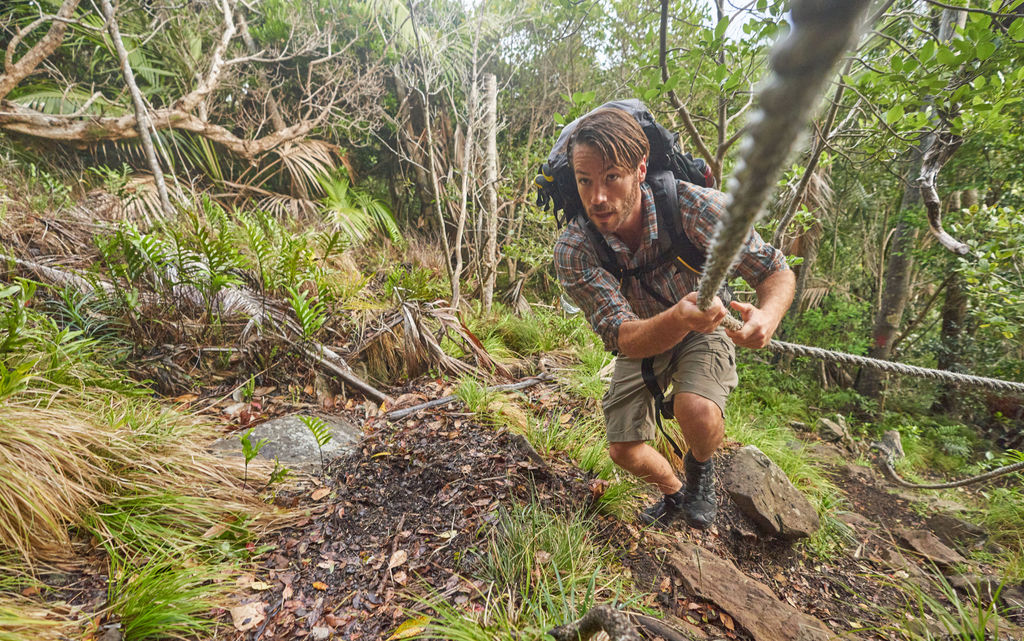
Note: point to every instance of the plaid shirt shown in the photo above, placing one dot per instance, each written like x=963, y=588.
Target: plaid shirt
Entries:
x=598, y=293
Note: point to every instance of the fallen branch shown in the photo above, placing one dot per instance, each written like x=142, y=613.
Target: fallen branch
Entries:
x=444, y=400
x=615, y=623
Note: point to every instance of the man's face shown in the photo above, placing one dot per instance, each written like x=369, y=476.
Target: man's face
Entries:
x=610, y=195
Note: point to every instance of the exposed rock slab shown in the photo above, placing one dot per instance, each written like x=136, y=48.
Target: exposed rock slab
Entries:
x=762, y=491
x=954, y=531
x=291, y=442
x=832, y=432
x=930, y=547
x=751, y=604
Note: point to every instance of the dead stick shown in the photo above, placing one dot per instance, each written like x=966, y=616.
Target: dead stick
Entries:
x=444, y=400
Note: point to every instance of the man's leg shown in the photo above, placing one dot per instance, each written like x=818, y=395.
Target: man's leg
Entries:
x=640, y=459
x=630, y=418
x=704, y=376
x=701, y=423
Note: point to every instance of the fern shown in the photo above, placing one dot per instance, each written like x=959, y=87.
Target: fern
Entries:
x=259, y=244
x=310, y=313
x=321, y=432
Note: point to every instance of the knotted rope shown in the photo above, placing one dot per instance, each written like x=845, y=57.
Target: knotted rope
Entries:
x=800, y=66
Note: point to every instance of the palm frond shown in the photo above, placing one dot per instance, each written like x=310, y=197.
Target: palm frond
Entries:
x=51, y=99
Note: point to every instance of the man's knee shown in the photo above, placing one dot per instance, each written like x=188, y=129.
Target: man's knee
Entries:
x=623, y=452
x=696, y=412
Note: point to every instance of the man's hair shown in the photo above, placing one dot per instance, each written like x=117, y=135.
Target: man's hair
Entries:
x=615, y=134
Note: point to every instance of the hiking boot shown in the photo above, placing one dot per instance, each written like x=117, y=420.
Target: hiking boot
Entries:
x=699, y=503
x=666, y=510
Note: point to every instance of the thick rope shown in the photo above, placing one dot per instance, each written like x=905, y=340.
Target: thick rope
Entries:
x=999, y=471
x=801, y=63
x=897, y=368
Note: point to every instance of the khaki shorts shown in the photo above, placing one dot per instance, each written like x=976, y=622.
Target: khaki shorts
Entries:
x=702, y=364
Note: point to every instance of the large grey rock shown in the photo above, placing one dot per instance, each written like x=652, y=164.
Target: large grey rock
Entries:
x=751, y=604
x=763, y=492
x=832, y=432
x=291, y=442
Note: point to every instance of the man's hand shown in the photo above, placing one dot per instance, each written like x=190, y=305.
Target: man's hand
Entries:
x=758, y=326
x=693, y=319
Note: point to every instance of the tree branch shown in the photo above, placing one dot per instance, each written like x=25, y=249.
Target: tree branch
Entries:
x=16, y=72
x=937, y=155
x=141, y=111
x=684, y=113
x=206, y=85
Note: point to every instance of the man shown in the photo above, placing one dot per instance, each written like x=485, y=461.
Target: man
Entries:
x=608, y=156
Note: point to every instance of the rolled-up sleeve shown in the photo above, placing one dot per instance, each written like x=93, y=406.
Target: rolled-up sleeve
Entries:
x=758, y=260
x=592, y=288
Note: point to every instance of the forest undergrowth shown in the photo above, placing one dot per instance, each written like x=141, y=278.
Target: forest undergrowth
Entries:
x=110, y=500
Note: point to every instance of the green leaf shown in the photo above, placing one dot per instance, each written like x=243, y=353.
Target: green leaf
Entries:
x=894, y=114
x=1017, y=29
x=927, y=51
x=985, y=50
x=720, y=28
x=946, y=56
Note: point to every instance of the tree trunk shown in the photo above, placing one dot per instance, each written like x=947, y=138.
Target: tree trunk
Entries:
x=435, y=186
x=490, y=261
x=895, y=293
x=950, y=353
x=896, y=288
x=466, y=169
x=141, y=112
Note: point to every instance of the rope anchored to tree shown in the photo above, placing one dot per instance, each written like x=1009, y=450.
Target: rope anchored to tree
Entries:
x=897, y=368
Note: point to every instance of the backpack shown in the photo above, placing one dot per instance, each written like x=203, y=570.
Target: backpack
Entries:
x=666, y=163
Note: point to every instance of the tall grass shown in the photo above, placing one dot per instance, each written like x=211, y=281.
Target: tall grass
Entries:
x=87, y=457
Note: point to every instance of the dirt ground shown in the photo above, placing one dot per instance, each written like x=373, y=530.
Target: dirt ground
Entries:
x=407, y=514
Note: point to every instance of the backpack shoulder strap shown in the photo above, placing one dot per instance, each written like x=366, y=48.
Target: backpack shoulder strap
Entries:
x=666, y=201
x=605, y=254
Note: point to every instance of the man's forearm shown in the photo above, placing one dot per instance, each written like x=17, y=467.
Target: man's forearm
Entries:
x=650, y=336
x=775, y=293
x=643, y=338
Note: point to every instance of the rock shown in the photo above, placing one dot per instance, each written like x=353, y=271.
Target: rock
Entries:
x=291, y=442
x=827, y=452
x=857, y=521
x=320, y=633
x=799, y=426
x=984, y=585
x=927, y=629
x=751, y=604
x=952, y=530
x=832, y=432
x=763, y=492
x=930, y=547
x=893, y=560
x=860, y=473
